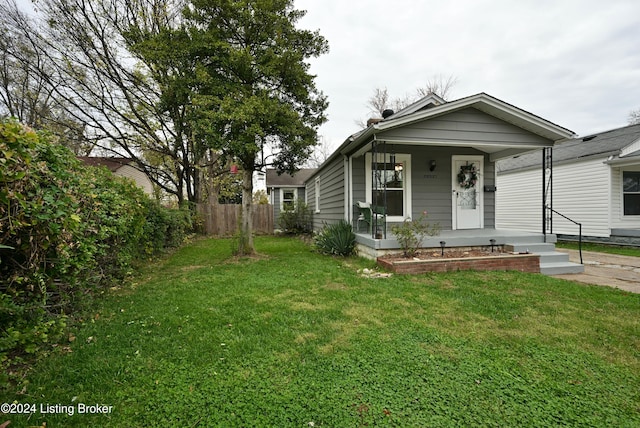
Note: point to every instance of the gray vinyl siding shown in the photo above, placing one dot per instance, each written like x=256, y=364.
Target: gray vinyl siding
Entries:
x=359, y=185
x=438, y=138
x=432, y=190
x=332, y=193
x=468, y=125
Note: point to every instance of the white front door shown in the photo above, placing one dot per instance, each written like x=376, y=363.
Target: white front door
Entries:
x=467, y=184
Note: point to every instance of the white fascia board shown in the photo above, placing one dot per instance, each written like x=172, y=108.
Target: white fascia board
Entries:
x=631, y=148
x=486, y=147
x=425, y=101
x=509, y=153
x=618, y=162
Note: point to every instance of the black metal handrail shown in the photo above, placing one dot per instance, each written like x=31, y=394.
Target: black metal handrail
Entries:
x=574, y=222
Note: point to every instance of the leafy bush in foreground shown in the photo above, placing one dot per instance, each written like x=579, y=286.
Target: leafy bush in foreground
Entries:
x=65, y=230
x=411, y=233
x=337, y=239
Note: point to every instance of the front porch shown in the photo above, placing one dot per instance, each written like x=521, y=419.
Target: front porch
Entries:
x=370, y=247
x=551, y=261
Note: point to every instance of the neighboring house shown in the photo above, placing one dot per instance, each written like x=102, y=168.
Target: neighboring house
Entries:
x=285, y=190
x=432, y=156
x=122, y=167
x=596, y=182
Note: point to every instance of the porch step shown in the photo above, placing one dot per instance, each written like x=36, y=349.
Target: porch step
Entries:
x=552, y=262
x=530, y=247
x=552, y=257
x=559, y=268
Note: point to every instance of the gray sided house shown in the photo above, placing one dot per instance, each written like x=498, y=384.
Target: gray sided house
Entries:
x=596, y=182
x=433, y=156
x=286, y=190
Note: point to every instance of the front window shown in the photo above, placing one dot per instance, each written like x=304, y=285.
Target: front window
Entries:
x=391, y=177
x=392, y=172
x=288, y=199
x=631, y=192
x=317, y=194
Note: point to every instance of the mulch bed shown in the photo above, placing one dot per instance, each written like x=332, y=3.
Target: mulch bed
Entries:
x=448, y=254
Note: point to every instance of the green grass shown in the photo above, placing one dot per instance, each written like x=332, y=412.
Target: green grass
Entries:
x=293, y=338
x=601, y=248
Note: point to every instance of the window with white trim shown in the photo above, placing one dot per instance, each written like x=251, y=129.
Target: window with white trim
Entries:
x=317, y=194
x=631, y=192
x=287, y=199
x=394, y=174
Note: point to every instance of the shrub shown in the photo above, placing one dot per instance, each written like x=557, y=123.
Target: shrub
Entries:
x=411, y=233
x=337, y=239
x=66, y=230
x=297, y=221
x=164, y=227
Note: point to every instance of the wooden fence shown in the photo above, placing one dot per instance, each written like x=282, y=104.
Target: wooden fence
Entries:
x=222, y=219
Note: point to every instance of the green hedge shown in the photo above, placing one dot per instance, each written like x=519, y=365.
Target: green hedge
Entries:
x=298, y=221
x=65, y=230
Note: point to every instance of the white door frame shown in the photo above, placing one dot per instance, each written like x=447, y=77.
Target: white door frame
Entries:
x=479, y=160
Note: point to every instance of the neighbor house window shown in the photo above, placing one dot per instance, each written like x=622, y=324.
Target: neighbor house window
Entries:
x=317, y=194
x=288, y=199
x=631, y=192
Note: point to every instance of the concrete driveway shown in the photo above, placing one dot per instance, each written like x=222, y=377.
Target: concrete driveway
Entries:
x=621, y=272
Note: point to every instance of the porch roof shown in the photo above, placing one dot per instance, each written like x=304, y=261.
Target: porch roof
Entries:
x=360, y=142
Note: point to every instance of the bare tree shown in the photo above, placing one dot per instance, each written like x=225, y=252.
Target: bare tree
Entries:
x=634, y=117
x=378, y=103
x=115, y=66
x=438, y=85
x=25, y=89
x=381, y=100
x=321, y=152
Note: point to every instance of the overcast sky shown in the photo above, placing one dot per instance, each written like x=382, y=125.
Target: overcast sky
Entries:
x=573, y=62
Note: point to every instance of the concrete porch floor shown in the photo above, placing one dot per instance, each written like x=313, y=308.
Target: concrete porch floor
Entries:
x=370, y=247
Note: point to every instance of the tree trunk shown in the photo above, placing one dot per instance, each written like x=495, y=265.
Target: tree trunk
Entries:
x=245, y=238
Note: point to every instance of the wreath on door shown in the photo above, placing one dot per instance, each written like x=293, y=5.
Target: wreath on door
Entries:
x=468, y=176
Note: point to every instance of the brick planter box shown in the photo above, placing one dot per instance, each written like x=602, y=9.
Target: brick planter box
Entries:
x=519, y=262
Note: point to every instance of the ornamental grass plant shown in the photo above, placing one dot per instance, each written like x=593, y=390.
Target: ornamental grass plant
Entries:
x=336, y=239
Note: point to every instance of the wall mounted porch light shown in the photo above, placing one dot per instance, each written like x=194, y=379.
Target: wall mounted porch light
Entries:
x=432, y=165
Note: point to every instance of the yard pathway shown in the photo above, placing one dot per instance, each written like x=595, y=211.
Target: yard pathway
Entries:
x=612, y=270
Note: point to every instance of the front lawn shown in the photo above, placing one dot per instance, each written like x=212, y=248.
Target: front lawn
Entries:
x=294, y=338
